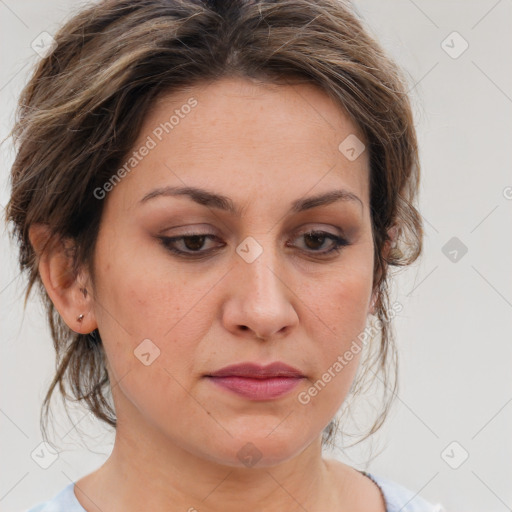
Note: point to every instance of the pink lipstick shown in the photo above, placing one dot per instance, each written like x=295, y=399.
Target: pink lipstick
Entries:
x=257, y=382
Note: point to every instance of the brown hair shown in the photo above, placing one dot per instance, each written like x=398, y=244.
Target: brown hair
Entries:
x=82, y=109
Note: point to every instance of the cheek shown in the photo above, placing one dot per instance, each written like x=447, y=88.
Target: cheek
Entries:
x=339, y=302
x=151, y=315
x=339, y=316
x=137, y=291
x=339, y=319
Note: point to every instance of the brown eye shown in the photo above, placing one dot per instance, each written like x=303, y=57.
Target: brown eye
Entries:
x=195, y=242
x=315, y=240
x=191, y=244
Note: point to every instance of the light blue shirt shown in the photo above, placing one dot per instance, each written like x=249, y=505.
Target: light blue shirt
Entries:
x=397, y=498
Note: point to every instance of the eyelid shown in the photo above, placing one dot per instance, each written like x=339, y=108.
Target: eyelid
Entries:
x=309, y=227
x=204, y=231
x=338, y=243
x=189, y=230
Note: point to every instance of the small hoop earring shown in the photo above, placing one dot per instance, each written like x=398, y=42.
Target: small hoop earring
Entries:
x=79, y=318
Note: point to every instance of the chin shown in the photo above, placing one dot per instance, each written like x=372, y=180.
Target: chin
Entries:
x=259, y=448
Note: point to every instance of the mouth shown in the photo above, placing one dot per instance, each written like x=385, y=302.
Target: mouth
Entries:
x=257, y=382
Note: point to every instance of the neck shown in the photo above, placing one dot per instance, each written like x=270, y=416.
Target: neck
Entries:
x=144, y=473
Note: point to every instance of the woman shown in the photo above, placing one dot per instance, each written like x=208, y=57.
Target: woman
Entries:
x=209, y=196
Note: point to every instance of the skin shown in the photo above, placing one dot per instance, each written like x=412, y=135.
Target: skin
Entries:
x=178, y=435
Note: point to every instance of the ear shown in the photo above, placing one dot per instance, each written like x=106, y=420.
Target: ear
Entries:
x=389, y=245
x=71, y=294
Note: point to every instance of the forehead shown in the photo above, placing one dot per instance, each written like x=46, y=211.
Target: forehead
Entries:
x=244, y=138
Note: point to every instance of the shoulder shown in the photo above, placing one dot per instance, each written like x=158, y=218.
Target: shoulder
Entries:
x=399, y=498
x=64, y=501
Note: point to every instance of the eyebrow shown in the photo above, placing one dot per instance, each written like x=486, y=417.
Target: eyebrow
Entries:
x=221, y=202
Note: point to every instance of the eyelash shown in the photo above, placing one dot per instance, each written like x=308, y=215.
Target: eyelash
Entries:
x=339, y=242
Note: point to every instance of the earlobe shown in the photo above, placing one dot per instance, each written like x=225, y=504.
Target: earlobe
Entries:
x=67, y=291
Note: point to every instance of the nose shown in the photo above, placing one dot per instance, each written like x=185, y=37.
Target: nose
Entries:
x=260, y=300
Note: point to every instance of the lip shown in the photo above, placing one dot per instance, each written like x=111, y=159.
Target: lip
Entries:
x=257, y=371
x=257, y=382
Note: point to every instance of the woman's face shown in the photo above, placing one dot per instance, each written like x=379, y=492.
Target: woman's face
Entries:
x=253, y=287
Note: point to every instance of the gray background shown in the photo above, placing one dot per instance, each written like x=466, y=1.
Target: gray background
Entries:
x=454, y=331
